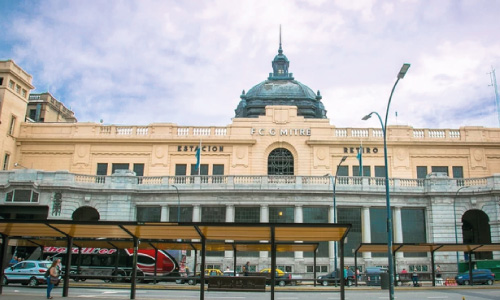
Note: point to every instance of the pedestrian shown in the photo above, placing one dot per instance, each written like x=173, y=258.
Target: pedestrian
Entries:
x=246, y=269
x=13, y=261
x=414, y=278
x=53, y=276
x=358, y=276
x=438, y=272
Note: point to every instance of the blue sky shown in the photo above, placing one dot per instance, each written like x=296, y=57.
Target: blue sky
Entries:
x=187, y=62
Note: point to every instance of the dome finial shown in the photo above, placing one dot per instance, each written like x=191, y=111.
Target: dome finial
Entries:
x=280, y=51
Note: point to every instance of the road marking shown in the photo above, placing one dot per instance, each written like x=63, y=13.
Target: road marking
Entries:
x=441, y=297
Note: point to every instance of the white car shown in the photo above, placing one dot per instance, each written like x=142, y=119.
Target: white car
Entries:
x=28, y=272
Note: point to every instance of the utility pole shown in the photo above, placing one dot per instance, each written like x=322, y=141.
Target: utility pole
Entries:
x=497, y=98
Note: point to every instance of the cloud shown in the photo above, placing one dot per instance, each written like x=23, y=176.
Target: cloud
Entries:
x=187, y=62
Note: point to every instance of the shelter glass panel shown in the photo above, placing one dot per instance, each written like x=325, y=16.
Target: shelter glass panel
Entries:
x=378, y=226
x=318, y=214
x=413, y=223
x=351, y=216
x=280, y=162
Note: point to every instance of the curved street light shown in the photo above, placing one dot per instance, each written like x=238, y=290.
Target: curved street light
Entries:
x=334, y=182
x=401, y=75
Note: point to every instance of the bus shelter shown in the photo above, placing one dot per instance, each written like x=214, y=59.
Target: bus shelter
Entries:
x=197, y=235
x=425, y=247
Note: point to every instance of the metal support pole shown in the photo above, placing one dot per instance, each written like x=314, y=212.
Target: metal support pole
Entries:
x=314, y=258
x=133, y=278
x=178, y=204
x=273, y=262
x=69, y=250
x=3, y=259
x=341, y=273
x=471, y=281
x=356, y=268
x=433, y=269
x=202, y=268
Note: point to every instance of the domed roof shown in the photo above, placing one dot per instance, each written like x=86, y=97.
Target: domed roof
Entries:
x=280, y=89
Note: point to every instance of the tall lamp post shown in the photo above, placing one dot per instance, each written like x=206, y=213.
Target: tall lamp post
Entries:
x=178, y=204
x=401, y=75
x=334, y=183
x=455, y=219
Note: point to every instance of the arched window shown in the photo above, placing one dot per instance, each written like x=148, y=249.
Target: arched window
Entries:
x=476, y=230
x=86, y=213
x=280, y=162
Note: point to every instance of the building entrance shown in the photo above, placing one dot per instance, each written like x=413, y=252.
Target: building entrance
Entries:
x=476, y=230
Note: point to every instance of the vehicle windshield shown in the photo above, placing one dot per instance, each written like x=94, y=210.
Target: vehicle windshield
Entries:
x=45, y=265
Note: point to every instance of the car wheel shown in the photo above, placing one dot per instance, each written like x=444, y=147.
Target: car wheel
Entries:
x=118, y=278
x=5, y=281
x=191, y=282
x=489, y=282
x=33, y=282
x=466, y=282
x=139, y=277
x=281, y=283
x=324, y=283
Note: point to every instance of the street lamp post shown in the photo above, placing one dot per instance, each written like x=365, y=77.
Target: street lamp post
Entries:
x=401, y=75
x=455, y=219
x=334, y=183
x=178, y=204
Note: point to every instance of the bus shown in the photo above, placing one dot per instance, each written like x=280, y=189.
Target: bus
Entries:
x=116, y=265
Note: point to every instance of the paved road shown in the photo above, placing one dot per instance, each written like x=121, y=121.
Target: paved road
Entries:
x=168, y=292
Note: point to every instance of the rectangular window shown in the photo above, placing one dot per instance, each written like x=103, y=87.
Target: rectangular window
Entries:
x=343, y=171
x=378, y=226
x=316, y=215
x=351, y=216
x=24, y=93
x=180, y=170
x=319, y=269
x=413, y=223
x=139, y=169
x=218, y=170
x=185, y=212
x=18, y=88
x=458, y=172
x=12, y=125
x=203, y=170
x=421, y=172
x=6, y=161
x=281, y=214
x=148, y=213
x=1, y=80
x=216, y=214
x=22, y=196
x=119, y=166
x=380, y=173
x=102, y=169
x=366, y=171
x=245, y=214
x=442, y=169
x=11, y=84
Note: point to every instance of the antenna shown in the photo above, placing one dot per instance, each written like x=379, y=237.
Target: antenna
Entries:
x=497, y=98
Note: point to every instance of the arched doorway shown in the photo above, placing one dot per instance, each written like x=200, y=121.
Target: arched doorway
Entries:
x=280, y=162
x=476, y=230
x=86, y=213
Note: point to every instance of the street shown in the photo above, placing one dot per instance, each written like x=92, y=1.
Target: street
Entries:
x=169, y=292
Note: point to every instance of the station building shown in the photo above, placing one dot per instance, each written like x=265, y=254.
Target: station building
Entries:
x=277, y=161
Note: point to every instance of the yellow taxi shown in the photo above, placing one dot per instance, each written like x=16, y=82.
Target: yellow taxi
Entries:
x=279, y=273
x=213, y=272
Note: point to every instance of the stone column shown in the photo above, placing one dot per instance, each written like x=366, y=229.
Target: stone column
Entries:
x=299, y=218
x=164, y=213
x=331, y=245
x=229, y=219
x=264, y=218
x=398, y=229
x=196, y=213
x=366, y=230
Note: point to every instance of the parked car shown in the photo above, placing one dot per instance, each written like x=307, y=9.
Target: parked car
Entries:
x=484, y=276
x=230, y=273
x=28, y=272
x=193, y=280
x=332, y=278
x=281, y=278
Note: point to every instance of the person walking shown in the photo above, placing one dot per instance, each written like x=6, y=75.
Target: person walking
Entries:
x=53, y=277
x=246, y=268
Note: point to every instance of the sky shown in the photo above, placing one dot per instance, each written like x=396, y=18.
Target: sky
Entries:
x=187, y=62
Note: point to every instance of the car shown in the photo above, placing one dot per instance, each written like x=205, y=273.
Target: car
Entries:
x=279, y=273
x=28, y=272
x=193, y=280
x=484, y=276
x=230, y=273
x=281, y=278
x=332, y=278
